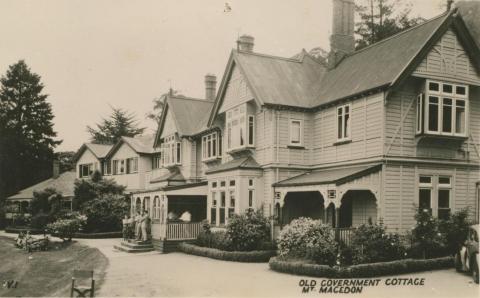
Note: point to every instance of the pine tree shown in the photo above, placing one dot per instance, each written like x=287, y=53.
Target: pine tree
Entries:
x=121, y=123
x=27, y=138
x=380, y=19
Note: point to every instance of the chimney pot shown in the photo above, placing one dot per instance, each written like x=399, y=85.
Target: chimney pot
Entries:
x=245, y=43
x=56, y=168
x=210, y=86
x=342, y=41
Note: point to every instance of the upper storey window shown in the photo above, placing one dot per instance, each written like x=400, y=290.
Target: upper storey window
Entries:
x=171, y=151
x=442, y=109
x=240, y=128
x=211, y=146
x=296, y=132
x=343, y=122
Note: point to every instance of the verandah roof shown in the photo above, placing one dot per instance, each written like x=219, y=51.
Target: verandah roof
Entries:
x=330, y=176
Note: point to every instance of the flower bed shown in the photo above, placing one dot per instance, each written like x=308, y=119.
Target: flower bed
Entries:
x=362, y=270
x=257, y=256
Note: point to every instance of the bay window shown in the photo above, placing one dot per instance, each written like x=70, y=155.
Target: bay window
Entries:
x=211, y=146
x=442, y=109
x=343, y=122
x=240, y=128
x=171, y=151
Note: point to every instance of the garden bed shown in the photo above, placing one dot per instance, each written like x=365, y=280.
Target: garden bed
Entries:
x=257, y=256
x=362, y=270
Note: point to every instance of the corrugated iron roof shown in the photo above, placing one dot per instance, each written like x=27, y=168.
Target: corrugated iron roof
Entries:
x=190, y=114
x=64, y=183
x=141, y=144
x=329, y=176
x=246, y=162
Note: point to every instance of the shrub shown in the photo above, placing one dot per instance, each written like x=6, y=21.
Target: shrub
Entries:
x=427, y=239
x=217, y=239
x=372, y=243
x=104, y=214
x=362, y=270
x=455, y=229
x=39, y=221
x=47, y=201
x=235, y=256
x=86, y=190
x=308, y=238
x=248, y=231
x=65, y=228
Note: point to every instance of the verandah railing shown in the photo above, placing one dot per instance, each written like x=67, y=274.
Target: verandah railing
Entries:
x=344, y=235
x=183, y=231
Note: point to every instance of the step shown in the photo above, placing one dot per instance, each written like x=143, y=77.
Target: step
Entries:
x=133, y=250
x=136, y=245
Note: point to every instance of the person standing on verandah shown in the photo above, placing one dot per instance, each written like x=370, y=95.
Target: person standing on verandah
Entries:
x=138, y=225
x=145, y=225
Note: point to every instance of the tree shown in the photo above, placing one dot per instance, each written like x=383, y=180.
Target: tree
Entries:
x=121, y=123
x=26, y=129
x=158, y=104
x=380, y=19
x=66, y=160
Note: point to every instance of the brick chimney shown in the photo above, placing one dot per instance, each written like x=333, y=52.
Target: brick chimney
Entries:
x=342, y=41
x=245, y=43
x=56, y=169
x=210, y=86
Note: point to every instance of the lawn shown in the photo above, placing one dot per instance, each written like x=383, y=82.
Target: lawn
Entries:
x=47, y=273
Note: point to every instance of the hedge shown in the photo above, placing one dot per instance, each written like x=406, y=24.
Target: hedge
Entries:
x=18, y=230
x=257, y=256
x=362, y=270
x=103, y=235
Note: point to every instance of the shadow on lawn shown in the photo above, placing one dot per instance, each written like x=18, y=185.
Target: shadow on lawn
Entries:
x=47, y=273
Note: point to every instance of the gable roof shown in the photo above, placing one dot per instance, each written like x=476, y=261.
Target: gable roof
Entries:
x=142, y=144
x=99, y=150
x=190, y=115
x=64, y=183
x=246, y=162
x=306, y=83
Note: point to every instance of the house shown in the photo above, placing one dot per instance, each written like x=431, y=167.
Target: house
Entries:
x=89, y=158
x=128, y=161
x=61, y=182
x=361, y=136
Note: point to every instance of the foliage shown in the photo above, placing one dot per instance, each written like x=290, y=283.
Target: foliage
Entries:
x=88, y=189
x=26, y=129
x=455, y=229
x=380, y=19
x=427, y=240
x=105, y=213
x=308, y=238
x=359, y=271
x=65, y=159
x=39, y=221
x=47, y=201
x=372, y=243
x=248, y=231
x=65, y=229
x=120, y=123
x=218, y=240
x=256, y=256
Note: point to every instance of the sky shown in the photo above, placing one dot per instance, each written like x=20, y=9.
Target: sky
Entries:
x=94, y=55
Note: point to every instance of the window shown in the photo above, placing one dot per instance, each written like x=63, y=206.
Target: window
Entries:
x=115, y=167
x=332, y=193
x=85, y=170
x=420, y=112
x=296, y=132
x=222, y=183
x=213, y=209
x=240, y=128
x=443, y=110
x=132, y=165
x=107, y=168
x=231, y=209
x=343, y=122
x=222, y=208
x=211, y=147
x=156, y=208
x=251, y=193
x=214, y=184
x=171, y=150
x=232, y=183
x=122, y=167
x=444, y=186
x=157, y=161
x=425, y=193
